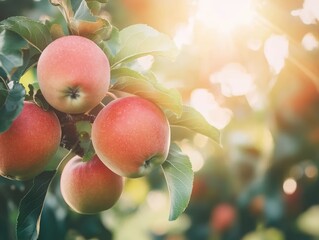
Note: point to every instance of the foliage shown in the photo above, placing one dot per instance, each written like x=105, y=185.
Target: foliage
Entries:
x=250, y=87
x=23, y=40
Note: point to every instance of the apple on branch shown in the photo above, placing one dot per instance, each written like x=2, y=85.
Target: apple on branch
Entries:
x=131, y=136
x=30, y=143
x=89, y=187
x=73, y=74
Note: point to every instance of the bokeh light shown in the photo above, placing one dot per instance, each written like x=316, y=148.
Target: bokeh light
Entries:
x=224, y=15
x=205, y=103
x=310, y=42
x=234, y=80
x=276, y=51
x=289, y=186
x=309, y=13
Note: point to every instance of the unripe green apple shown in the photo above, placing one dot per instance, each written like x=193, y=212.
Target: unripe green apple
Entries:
x=73, y=74
x=89, y=187
x=30, y=142
x=131, y=136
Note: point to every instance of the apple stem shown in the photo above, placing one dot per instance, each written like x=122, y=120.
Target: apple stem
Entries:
x=67, y=155
x=112, y=95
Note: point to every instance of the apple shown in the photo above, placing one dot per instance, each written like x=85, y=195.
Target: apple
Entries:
x=73, y=74
x=222, y=217
x=89, y=187
x=30, y=143
x=131, y=136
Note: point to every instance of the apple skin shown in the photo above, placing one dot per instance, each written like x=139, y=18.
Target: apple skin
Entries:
x=30, y=143
x=89, y=187
x=131, y=136
x=73, y=74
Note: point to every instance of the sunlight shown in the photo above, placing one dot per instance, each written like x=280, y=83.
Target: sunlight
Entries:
x=204, y=102
x=224, y=15
x=234, y=80
x=290, y=186
x=276, y=50
x=183, y=35
x=156, y=200
x=309, y=42
x=309, y=14
x=194, y=155
x=311, y=171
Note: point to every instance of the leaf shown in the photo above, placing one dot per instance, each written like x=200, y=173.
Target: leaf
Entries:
x=130, y=81
x=4, y=91
x=35, y=95
x=34, y=32
x=83, y=128
x=193, y=120
x=89, y=151
x=84, y=13
x=95, y=7
x=30, y=58
x=56, y=2
x=12, y=107
x=179, y=178
x=10, y=51
x=112, y=46
x=100, y=1
x=87, y=25
x=139, y=40
x=31, y=205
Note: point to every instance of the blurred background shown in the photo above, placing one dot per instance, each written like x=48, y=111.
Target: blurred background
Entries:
x=251, y=67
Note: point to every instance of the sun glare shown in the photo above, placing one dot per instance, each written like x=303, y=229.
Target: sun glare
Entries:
x=224, y=15
x=234, y=80
x=289, y=186
x=309, y=14
x=309, y=42
x=204, y=102
x=276, y=51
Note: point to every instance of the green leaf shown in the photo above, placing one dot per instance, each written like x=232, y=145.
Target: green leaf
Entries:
x=30, y=58
x=89, y=150
x=31, y=205
x=35, y=95
x=193, y=120
x=179, y=178
x=12, y=107
x=84, y=13
x=4, y=91
x=10, y=51
x=83, y=128
x=35, y=33
x=130, y=81
x=112, y=46
x=140, y=40
x=87, y=25
x=56, y=2
x=100, y=1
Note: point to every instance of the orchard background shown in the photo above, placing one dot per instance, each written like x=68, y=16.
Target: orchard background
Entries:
x=248, y=67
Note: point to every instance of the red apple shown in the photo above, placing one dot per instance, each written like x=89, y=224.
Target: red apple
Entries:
x=73, y=74
x=131, y=136
x=222, y=217
x=89, y=187
x=30, y=142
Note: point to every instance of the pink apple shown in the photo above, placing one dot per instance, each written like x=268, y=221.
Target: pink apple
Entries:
x=29, y=144
x=89, y=187
x=73, y=74
x=131, y=136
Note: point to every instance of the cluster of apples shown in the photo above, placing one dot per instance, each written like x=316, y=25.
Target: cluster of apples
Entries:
x=130, y=135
